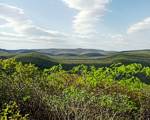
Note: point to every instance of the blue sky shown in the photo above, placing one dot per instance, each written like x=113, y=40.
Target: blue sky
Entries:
x=98, y=24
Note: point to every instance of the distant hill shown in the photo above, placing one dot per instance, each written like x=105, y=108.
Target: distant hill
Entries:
x=70, y=51
x=78, y=51
x=70, y=57
x=36, y=58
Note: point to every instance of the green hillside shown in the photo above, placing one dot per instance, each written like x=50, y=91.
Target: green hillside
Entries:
x=38, y=59
x=74, y=57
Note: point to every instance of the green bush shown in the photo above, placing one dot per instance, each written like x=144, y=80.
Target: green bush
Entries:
x=12, y=112
x=118, y=92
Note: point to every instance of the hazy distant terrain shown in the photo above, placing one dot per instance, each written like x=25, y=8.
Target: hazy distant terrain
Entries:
x=49, y=57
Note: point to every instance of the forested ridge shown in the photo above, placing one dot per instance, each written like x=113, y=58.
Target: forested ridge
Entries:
x=117, y=92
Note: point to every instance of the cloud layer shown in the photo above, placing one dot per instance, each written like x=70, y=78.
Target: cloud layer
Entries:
x=89, y=13
x=24, y=29
x=17, y=30
x=140, y=26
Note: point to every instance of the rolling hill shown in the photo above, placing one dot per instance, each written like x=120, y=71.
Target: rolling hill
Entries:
x=70, y=57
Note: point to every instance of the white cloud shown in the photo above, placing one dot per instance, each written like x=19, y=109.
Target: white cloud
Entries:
x=24, y=29
x=138, y=35
x=14, y=16
x=17, y=20
x=118, y=39
x=3, y=22
x=19, y=31
x=28, y=35
x=140, y=26
x=89, y=13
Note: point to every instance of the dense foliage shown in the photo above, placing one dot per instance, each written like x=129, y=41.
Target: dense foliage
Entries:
x=118, y=92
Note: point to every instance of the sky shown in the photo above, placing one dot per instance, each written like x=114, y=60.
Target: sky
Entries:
x=91, y=24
